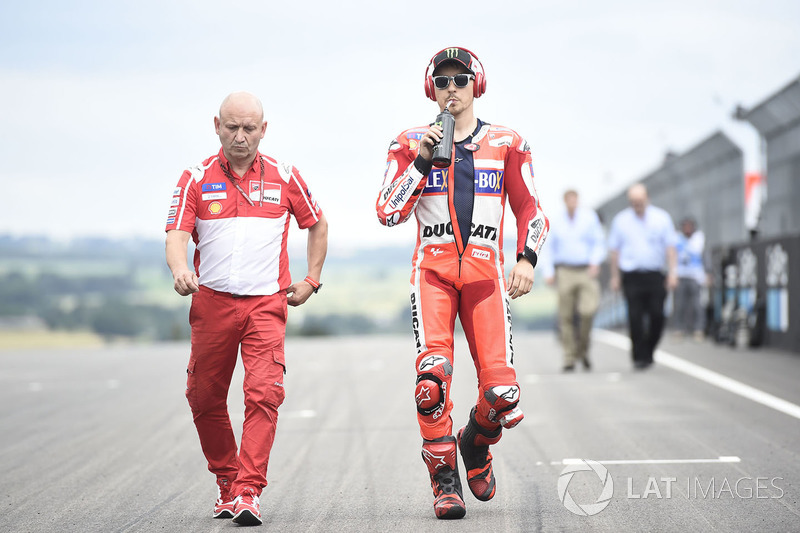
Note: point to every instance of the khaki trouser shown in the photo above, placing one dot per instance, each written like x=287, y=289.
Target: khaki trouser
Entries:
x=577, y=293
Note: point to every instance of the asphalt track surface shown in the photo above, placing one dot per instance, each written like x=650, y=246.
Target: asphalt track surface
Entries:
x=101, y=439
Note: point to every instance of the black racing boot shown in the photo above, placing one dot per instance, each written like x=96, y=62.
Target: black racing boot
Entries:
x=474, y=441
x=440, y=458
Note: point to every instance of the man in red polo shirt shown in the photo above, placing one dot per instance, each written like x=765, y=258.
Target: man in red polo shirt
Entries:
x=236, y=207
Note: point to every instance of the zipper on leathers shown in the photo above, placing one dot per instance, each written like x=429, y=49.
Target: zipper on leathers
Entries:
x=451, y=208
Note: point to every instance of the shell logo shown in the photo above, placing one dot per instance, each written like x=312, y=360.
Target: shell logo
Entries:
x=214, y=208
x=413, y=144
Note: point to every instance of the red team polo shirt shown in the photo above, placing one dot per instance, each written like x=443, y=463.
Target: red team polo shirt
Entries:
x=241, y=249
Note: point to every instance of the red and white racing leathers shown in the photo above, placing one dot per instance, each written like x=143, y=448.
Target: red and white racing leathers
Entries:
x=451, y=277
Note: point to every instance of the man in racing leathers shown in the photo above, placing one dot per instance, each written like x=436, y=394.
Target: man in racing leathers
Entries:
x=458, y=269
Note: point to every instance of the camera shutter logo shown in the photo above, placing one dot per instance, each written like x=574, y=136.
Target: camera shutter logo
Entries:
x=587, y=509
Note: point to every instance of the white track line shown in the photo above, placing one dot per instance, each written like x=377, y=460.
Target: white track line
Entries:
x=538, y=378
x=303, y=413
x=720, y=459
x=713, y=378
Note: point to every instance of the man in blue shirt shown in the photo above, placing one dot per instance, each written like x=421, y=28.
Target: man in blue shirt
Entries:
x=689, y=317
x=641, y=244
x=571, y=263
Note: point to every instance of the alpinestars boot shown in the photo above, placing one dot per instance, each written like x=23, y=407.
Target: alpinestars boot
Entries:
x=474, y=441
x=440, y=457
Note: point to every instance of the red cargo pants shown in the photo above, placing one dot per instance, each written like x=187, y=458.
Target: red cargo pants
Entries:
x=220, y=324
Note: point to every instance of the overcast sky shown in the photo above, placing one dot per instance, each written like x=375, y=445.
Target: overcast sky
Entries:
x=103, y=104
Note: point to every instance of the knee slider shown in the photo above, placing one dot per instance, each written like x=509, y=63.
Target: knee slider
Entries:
x=433, y=377
x=503, y=405
x=428, y=394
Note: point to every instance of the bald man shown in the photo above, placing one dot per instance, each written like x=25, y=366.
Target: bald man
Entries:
x=235, y=206
x=643, y=262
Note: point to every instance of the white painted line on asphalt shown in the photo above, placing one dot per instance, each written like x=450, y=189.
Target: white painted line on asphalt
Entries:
x=536, y=378
x=709, y=376
x=303, y=413
x=720, y=459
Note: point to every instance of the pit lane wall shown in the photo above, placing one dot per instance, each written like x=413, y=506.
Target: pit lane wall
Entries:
x=760, y=279
x=755, y=291
x=706, y=183
x=777, y=120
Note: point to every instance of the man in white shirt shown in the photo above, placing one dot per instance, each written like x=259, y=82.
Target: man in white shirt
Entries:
x=571, y=263
x=641, y=244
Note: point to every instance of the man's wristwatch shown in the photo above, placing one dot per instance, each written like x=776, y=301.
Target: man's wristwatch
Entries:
x=315, y=284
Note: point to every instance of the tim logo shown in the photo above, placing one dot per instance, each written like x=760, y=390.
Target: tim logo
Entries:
x=488, y=181
x=437, y=182
x=214, y=187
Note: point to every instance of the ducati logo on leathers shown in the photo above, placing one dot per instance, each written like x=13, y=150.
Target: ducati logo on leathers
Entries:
x=480, y=231
x=415, y=320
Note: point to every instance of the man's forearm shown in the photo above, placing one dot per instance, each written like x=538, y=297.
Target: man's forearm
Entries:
x=317, y=247
x=672, y=260
x=613, y=263
x=176, y=249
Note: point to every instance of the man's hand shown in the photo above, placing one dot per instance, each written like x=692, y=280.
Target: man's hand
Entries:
x=614, y=282
x=520, y=280
x=672, y=281
x=298, y=293
x=593, y=271
x=185, y=282
x=185, y=279
x=316, y=250
x=672, y=270
x=431, y=137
